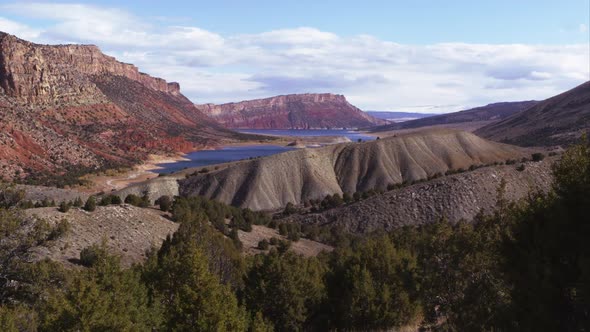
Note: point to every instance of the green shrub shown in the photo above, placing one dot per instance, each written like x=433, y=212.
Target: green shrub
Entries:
x=90, y=204
x=64, y=207
x=165, y=203
x=89, y=256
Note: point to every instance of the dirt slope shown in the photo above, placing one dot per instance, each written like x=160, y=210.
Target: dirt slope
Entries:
x=455, y=197
x=128, y=231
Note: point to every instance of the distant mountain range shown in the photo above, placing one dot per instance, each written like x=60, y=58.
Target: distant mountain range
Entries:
x=297, y=111
x=398, y=116
x=491, y=112
x=558, y=120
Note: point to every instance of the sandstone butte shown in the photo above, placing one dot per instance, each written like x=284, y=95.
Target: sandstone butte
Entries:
x=71, y=109
x=296, y=111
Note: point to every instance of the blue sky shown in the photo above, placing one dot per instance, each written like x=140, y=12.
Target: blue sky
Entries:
x=427, y=56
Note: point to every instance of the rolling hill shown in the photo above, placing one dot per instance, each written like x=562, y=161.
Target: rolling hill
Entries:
x=558, y=120
x=491, y=112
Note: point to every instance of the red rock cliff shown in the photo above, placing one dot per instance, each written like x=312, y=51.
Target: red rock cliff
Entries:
x=45, y=73
x=298, y=111
x=70, y=108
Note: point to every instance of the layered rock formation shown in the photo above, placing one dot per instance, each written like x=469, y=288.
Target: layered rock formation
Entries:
x=297, y=176
x=558, y=120
x=300, y=111
x=45, y=73
x=70, y=108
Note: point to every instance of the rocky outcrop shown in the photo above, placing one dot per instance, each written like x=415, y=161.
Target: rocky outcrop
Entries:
x=45, y=73
x=559, y=120
x=69, y=109
x=297, y=176
x=299, y=111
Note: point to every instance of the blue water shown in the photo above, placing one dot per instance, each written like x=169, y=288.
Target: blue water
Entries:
x=350, y=134
x=223, y=155
x=233, y=153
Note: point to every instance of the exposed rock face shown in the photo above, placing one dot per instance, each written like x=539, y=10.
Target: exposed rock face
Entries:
x=491, y=112
x=296, y=176
x=301, y=111
x=42, y=73
x=69, y=108
x=558, y=120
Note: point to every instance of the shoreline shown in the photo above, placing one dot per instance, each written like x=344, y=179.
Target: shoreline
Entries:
x=139, y=173
x=145, y=171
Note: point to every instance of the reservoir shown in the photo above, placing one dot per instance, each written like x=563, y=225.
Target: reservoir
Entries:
x=234, y=153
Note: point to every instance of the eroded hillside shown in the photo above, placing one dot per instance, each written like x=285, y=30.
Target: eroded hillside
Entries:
x=297, y=176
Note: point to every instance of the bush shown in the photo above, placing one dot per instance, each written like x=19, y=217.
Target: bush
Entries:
x=90, y=204
x=89, y=256
x=106, y=200
x=274, y=241
x=283, y=229
x=263, y=244
x=116, y=200
x=64, y=207
x=78, y=202
x=290, y=209
x=61, y=229
x=143, y=201
x=283, y=246
x=520, y=167
x=165, y=203
x=537, y=156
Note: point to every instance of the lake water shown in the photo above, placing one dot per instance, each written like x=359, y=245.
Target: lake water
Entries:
x=220, y=156
x=233, y=153
x=350, y=134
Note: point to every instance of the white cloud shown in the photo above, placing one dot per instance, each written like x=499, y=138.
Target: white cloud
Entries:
x=18, y=29
x=372, y=73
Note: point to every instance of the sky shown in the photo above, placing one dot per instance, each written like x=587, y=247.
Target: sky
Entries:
x=419, y=56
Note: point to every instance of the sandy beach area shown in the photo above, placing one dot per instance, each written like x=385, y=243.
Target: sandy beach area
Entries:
x=139, y=173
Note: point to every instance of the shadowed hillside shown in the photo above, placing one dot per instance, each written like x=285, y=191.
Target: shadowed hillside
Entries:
x=558, y=120
x=491, y=112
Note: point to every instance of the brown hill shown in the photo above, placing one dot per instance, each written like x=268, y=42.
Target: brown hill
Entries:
x=69, y=108
x=558, y=120
x=491, y=112
x=455, y=197
x=300, y=111
x=296, y=176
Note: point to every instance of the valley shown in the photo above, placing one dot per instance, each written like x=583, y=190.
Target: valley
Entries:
x=259, y=198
